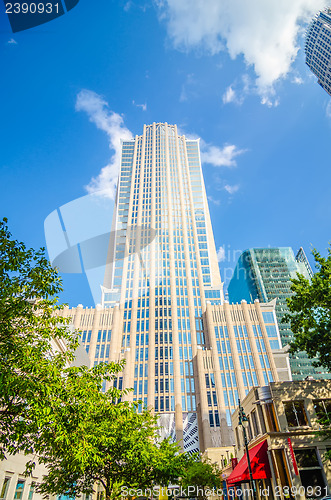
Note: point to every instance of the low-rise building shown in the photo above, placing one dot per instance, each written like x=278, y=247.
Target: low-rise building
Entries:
x=288, y=457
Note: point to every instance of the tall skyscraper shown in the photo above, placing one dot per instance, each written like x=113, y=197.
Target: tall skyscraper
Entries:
x=189, y=355
x=318, y=48
x=265, y=274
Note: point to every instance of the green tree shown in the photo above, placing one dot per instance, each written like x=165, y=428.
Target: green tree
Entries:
x=29, y=329
x=310, y=312
x=61, y=414
x=203, y=475
x=93, y=438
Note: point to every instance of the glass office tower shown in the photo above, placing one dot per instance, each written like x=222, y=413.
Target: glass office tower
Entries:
x=265, y=274
x=318, y=48
x=189, y=354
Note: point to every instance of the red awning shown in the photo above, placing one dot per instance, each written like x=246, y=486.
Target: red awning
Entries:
x=259, y=462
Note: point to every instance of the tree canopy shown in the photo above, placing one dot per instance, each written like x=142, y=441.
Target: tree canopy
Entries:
x=94, y=438
x=29, y=329
x=83, y=434
x=203, y=475
x=310, y=312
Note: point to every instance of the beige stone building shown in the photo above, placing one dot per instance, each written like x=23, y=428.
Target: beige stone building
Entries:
x=189, y=354
x=14, y=485
x=288, y=458
x=234, y=357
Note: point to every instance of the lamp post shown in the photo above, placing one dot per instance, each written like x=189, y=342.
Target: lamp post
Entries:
x=243, y=423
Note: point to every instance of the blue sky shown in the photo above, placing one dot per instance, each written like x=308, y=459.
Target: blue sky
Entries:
x=231, y=72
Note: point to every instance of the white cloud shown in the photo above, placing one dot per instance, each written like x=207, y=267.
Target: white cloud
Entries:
x=231, y=189
x=214, y=201
x=229, y=95
x=221, y=254
x=244, y=86
x=265, y=32
x=232, y=95
x=265, y=99
x=142, y=106
x=214, y=155
x=111, y=123
x=12, y=42
x=220, y=157
x=297, y=80
x=328, y=109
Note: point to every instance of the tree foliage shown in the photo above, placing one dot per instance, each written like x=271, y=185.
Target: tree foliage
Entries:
x=310, y=312
x=28, y=331
x=203, y=475
x=94, y=438
x=81, y=433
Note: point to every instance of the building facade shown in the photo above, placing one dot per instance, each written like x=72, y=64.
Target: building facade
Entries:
x=265, y=274
x=189, y=354
x=14, y=484
x=288, y=458
x=318, y=48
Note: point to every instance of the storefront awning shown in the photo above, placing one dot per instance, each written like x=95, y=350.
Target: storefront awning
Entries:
x=259, y=462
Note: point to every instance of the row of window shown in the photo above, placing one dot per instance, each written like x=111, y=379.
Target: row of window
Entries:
x=20, y=485
x=295, y=412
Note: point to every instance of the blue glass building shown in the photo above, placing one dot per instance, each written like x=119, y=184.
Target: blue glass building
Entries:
x=265, y=274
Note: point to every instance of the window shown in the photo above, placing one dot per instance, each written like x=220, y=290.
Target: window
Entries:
x=249, y=430
x=19, y=489
x=268, y=317
x=238, y=438
x=255, y=429
x=271, y=418
x=212, y=379
x=310, y=471
x=323, y=409
x=271, y=330
x=4, y=488
x=306, y=458
x=279, y=456
x=100, y=495
x=31, y=491
x=295, y=413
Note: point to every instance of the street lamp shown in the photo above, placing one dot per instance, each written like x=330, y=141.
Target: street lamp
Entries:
x=243, y=423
